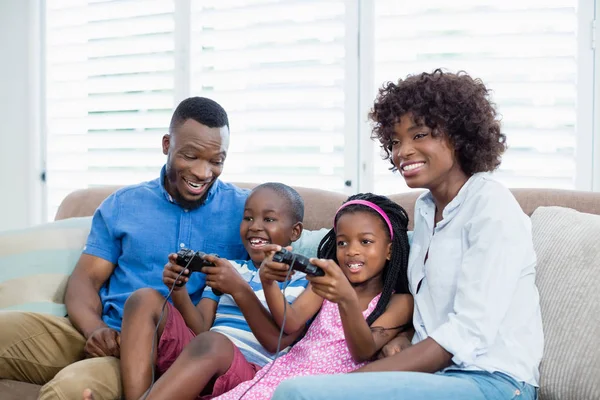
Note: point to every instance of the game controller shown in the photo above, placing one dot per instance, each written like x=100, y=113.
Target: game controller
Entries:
x=194, y=261
x=297, y=262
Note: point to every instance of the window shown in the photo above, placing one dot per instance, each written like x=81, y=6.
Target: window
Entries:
x=525, y=51
x=277, y=67
x=298, y=78
x=110, y=88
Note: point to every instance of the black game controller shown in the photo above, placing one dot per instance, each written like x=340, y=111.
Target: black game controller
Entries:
x=194, y=261
x=297, y=262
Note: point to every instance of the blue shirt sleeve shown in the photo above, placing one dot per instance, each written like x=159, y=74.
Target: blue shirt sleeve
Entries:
x=102, y=241
x=208, y=294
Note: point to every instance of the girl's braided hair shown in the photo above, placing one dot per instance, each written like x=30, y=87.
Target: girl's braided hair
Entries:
x=395, y=275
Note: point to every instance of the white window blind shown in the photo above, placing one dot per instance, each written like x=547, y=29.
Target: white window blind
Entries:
x=110, y=83
x=278, y=68
x=292, y=76
x=524, y=50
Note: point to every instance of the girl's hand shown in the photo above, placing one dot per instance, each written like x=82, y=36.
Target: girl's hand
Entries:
x=334, y=286
x=270, y=270
x=171, y=271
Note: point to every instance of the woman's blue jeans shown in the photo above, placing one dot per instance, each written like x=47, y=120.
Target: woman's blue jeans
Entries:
x=453, y=384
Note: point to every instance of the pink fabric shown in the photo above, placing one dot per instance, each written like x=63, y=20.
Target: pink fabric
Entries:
x=323, y=350
x=175, y=337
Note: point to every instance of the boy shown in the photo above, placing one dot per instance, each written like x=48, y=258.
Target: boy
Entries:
x=273, y=214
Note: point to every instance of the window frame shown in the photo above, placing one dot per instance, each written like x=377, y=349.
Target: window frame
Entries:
x=359, y=158
x=595, y=131
x=587, y=171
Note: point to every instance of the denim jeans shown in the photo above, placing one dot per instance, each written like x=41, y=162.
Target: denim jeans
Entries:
x=448, y=385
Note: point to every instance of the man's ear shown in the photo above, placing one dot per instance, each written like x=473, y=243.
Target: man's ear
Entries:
x=297, y=231
x=166, y=143
x=389, y=252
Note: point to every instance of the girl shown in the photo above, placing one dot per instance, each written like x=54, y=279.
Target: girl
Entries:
x=478, y=329
x=358, y=306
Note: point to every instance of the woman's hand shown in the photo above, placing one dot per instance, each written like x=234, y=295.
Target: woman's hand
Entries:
x=334, y=286
x=394, y=346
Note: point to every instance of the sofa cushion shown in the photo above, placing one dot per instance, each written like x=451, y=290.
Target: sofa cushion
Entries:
x=308, y=243
x=13, y=390
x=568, y=278
x=36, y=262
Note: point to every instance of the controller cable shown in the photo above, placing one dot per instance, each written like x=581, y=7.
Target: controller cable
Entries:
x=155, y=337
x=280, y=331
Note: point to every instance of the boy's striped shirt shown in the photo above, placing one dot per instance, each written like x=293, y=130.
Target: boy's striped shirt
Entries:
x=231, y=322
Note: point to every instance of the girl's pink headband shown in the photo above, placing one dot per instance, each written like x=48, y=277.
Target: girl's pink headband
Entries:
x=370, y=205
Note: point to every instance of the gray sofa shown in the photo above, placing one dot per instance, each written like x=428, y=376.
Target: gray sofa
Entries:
x=566, y=228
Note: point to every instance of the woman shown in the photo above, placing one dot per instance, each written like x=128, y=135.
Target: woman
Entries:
x=478, y=330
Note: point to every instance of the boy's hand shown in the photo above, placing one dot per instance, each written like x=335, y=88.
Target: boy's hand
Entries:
x=270, y=270
x=171, y=271
x=394, y=346
x=223, y=277
x=334, y=286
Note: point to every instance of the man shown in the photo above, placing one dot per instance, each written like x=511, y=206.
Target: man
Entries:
x=132, y=233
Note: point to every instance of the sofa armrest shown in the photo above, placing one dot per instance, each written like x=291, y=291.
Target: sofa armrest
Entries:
x=35, y=264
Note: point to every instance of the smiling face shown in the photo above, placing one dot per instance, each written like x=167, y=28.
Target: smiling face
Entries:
x=424, y=160
x=195, y=157
x=363, y=245
x=268, y=218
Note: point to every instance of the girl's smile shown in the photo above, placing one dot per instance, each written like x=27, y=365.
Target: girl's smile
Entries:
x=363, y=245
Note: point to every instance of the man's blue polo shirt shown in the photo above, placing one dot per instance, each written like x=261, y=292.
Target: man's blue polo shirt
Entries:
x=138, y=226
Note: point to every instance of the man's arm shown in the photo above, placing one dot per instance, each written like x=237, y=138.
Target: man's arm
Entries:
x=95, y=266
x=81, y=297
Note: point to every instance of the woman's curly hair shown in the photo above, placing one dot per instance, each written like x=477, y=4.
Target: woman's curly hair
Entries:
x=452, y=104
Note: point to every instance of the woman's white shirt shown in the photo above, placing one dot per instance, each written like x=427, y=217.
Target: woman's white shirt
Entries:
x=478, y=298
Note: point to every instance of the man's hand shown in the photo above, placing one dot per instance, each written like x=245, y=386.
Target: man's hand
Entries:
x=222, y=276
x=103, y=342
x=270, y=270
x=172, y=271
x=334, y=286
x=395, y=346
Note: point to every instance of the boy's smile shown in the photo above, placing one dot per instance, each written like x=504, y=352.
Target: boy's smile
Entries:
x=257, y=242
x=267, y=219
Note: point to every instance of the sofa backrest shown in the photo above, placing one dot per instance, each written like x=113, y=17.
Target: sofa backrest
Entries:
x=321, y=204
x=568, y=278
x=568, y=274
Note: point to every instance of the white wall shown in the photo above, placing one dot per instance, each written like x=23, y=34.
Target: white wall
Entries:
x=20, y=115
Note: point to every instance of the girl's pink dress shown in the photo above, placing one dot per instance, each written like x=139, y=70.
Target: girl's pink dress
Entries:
x=323, y=350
